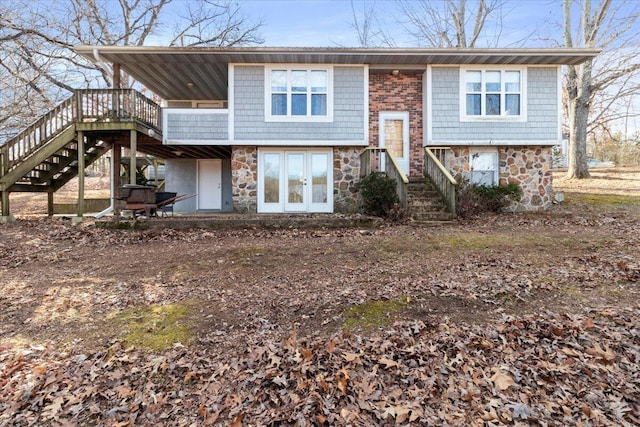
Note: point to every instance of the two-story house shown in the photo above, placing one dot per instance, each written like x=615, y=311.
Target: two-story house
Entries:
x=283, y=130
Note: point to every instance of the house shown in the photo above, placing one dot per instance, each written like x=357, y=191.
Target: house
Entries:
x=279, y=130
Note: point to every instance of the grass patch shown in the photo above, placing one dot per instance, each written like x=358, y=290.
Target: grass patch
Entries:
x=603, y=200
x=156, y=327
x=372, y=314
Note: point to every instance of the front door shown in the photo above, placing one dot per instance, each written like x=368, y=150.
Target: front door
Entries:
x=394, y=136
x=295, y=180
x=210, y=184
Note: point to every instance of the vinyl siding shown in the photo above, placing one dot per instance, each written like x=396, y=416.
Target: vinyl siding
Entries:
x=542, y=110
x=348, y=110
x=195, y=126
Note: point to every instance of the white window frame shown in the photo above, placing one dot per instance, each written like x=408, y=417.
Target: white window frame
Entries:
x=473, y=154
x=522, y=117
x=268, y=117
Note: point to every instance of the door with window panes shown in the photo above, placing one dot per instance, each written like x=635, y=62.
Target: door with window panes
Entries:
x=394, y=136
x=295, y=180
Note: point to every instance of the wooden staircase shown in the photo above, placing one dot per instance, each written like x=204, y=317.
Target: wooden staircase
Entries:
x=425, y=202
x=53, y=165
x=45, y=156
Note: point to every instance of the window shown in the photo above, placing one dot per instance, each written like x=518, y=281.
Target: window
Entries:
x=298, y=94
x=483, y=166
x=492, y=93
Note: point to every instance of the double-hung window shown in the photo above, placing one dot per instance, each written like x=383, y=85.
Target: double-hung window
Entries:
x=488, y=94
x=303, y=94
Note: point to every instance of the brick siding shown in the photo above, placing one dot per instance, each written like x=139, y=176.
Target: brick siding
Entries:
x=401, y=93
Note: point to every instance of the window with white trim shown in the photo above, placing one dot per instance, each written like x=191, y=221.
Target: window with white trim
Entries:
x=492, y=93
x=298, y=94
x=483, y=167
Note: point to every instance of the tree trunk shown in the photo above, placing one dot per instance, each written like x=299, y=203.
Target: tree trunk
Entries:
x=578, y=120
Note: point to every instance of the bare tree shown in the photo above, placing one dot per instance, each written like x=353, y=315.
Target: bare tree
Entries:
x=368, y=27
x=451, y=23
x=39, y=67
x=613, y=77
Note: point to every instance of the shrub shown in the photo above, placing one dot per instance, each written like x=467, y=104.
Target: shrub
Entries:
x=378, y=193
x=473, y=199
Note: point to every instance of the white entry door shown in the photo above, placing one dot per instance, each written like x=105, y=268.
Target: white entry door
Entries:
x=394, y=136
x=295, y=180
x=210, y=184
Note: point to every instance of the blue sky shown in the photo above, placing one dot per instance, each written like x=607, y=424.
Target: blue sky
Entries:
x=328, y=23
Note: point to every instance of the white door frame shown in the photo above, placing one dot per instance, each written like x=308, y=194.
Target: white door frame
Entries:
x=209, y=184
x=383, y=116
x=282, y=205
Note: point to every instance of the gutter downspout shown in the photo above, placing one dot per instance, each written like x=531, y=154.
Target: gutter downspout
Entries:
x=100, y=63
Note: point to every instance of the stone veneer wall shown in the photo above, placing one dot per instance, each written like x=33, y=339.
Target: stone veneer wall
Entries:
x=398, y=93
x=346, y=174
x=529, y=167
x=244, y=179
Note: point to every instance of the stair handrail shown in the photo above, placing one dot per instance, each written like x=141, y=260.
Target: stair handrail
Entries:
x=82, y=105
x=440, y=176
x=35, y=135
x=391, y=167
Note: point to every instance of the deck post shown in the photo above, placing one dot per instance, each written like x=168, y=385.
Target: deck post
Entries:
x=81, y=166
x=5, y=216
x=116, y=75
x=133, y=163
x=116, y=161
x=50, y=211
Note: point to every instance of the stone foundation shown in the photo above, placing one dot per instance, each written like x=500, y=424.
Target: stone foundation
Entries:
x=527, y=166
x=244, y=178
x=346, y=174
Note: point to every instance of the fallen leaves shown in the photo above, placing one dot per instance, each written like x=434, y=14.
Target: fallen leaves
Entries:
x=412, y=373
x=459, y=355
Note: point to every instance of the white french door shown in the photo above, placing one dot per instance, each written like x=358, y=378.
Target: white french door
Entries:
x=295, y=180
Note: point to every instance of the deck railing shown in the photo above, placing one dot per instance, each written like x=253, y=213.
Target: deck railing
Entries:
x=84, y=105
x=378, y=159
x=434, y=169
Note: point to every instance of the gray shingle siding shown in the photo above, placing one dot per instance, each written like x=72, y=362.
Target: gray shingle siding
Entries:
x=348, y=109
x=197, y=127
x=542, y=110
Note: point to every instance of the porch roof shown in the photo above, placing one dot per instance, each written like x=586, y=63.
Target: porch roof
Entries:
x=186, y=73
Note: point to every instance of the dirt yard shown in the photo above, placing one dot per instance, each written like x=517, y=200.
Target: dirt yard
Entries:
x=514, y=319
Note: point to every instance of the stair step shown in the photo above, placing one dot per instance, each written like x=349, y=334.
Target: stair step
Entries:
x=425, y=203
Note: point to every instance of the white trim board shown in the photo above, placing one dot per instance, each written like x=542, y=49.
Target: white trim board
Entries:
x=490, y=143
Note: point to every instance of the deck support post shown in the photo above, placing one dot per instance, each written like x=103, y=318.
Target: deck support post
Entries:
x=50, y=211
x=116, y=161
x=6, y=216
x=81, y=166
x=116, y=75
x=133, y=162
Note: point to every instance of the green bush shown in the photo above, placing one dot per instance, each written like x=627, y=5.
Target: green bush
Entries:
x=473, y=199
x=378, y=193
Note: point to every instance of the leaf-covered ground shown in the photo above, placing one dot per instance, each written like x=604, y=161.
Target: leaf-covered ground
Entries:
x=517, y=319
